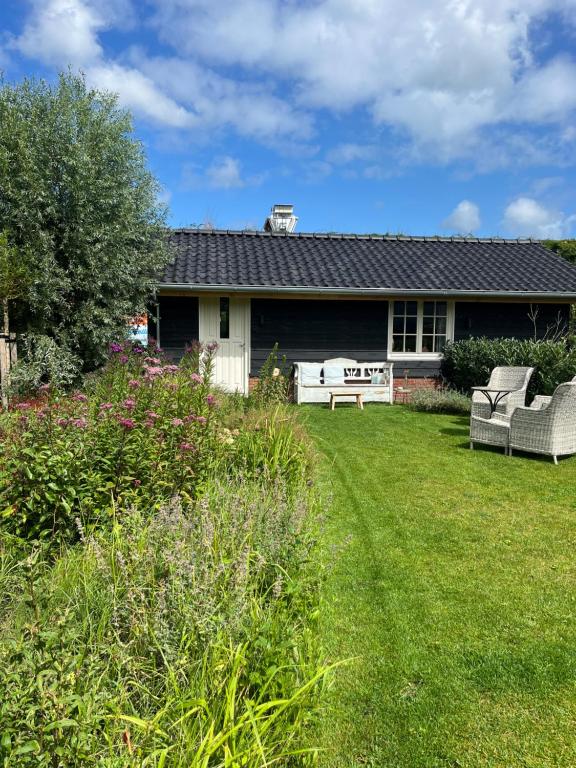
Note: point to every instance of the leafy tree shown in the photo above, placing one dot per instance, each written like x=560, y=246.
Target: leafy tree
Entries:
x=81, y=210
x=564, y=248
x=13, y=280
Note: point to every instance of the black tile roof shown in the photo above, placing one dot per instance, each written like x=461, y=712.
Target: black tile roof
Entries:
x=365, y=264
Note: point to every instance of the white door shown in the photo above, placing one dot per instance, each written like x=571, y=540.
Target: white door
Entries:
x=226, y=320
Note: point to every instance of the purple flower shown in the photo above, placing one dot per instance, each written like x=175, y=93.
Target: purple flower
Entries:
x=149, y=423
x=62, y=422
x=211, y=400
x=187, y=447
x=79, y=397
x=138, y=350
x=133, y=383
x=40, y=415
x=105, y=406
x=177, y=423
x=123, y=359
x=115, y=347
x=127, y=423
x=212, y=347
x=80, y=423
x=153, y=360
x=129, y=404
x=196, y=378
x=201, y=419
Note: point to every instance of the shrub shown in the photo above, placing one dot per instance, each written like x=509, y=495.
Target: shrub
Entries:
x=42, y=361
x=143, y=432
x=469, y=363
x=440, y=401
x=273, y=385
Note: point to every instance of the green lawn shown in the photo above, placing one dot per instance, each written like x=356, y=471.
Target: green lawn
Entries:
x=451, y=588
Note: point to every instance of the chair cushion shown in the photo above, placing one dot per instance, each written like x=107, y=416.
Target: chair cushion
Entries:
x=310, y=373
x=333, y=374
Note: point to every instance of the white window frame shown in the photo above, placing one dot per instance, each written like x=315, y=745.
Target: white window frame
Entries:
x=419, y=355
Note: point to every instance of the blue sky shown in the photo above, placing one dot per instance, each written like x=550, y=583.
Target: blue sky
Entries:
x=428, y=117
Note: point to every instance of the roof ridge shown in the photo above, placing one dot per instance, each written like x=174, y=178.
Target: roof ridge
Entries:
x=353, y=236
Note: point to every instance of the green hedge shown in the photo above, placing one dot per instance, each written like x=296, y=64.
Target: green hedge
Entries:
x=469, y=363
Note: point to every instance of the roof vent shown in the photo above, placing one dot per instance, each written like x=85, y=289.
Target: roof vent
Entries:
x=281, y=219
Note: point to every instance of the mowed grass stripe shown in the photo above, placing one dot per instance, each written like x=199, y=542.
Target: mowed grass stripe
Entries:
x=451, y=587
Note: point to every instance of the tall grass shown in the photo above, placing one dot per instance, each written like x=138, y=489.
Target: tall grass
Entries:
x=180, y=639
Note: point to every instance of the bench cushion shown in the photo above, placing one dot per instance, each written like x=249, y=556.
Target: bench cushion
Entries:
x=310, y=373
x=333, y=374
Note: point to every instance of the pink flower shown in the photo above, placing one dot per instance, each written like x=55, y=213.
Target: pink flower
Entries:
x=177, y=423
x=212, y=347
x=148, y=423
x=196, y=378
x=211, y=400
x=201, y=419
x=127, y=423
x=105, y=406
x=62, y=422
x=150, y=371
x=152, y=415
x=80, y=423
x=187, y=447
x=23, y=406
x=129, y=404
x=133, y=383
x=79, y=397
x=123, y=359
x=40, y=415
x=153, y=360
x=170, y=368
x=115, y=347
x=44, y=388
x=136, y=483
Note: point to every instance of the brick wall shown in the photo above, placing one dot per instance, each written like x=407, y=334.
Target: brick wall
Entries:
x=412, y=384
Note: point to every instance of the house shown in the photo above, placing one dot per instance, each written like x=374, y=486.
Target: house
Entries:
x=367, y=297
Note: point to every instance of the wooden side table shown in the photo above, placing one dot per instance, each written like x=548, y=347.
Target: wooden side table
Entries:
x=358, y=395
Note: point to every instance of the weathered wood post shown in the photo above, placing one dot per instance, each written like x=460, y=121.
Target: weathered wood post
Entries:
x=7, y=355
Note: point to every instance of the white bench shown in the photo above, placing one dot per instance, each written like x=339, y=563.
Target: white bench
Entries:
x=315, y=382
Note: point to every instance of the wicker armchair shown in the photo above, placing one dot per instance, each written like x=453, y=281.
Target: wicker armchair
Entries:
x=550, y=430
x=515, y=378
x=541, y=401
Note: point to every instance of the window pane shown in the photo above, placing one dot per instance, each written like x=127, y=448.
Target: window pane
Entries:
x=427, y=343
x=398, y=325
x=411, y=324
x=441, y=325
x=428, y=307
x=398, y=343
x=440, y=343
x=410, y=344
x=428, y=325
x=411, y=307
x=441, y=308
x=399, y=307
x=224, y=317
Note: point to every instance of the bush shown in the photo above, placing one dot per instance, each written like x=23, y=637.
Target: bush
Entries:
x=469, y=363
x=440, y=401
x=273, y=385
x=143, y=432
x=42, y=361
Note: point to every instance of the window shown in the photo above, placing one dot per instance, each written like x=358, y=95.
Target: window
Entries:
x=419, y=327
x=224, y=317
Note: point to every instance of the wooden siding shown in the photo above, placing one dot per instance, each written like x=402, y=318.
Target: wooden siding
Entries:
x=495, y=319
x=316, y=330
x=178, y=323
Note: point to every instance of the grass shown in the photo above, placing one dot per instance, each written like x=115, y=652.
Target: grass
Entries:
x=451, y=589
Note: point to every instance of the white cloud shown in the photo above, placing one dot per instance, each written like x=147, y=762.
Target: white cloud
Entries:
x=526, y=217
x=62, y=31
x=447, y=70
x=465, y=218
x=223, y=173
